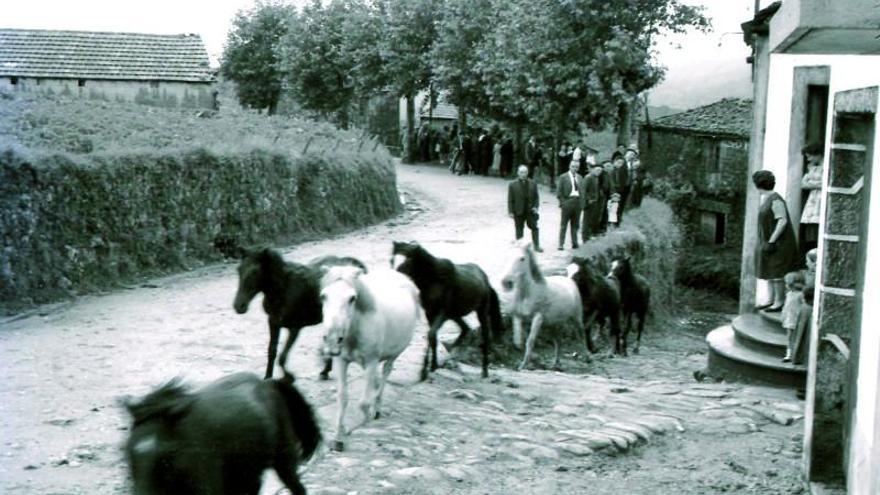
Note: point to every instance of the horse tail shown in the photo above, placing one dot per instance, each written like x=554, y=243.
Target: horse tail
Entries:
x=302, y=418
x=495, y=312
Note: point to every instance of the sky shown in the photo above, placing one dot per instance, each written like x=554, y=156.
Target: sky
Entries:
x=690, y=57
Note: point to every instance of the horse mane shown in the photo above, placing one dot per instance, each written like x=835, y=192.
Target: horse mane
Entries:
x=424, y=264
x=351, y=275
x=589, y=271
x=170, y=400
x=537, y=274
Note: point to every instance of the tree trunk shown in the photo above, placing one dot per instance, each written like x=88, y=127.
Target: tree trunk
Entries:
x=519, y=155
x=624, y=123
x=554, y=156
x=408, y=155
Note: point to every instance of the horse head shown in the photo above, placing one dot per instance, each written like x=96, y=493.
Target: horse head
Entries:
x=341, y=298
x=401, y=252
x=522, y=265
x=151, y=445
x=621, y=268
x=253, y=270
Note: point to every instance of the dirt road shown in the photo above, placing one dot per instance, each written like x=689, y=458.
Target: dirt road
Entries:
x=635, y=425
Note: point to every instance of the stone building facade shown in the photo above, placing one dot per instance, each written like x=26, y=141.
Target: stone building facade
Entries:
x=152, y=69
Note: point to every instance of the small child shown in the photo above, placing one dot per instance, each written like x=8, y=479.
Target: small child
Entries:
x=794, y=300
x=613, y=206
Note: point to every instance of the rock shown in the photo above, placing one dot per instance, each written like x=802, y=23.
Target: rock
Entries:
x=347, y=462
x=378, y=463
x=330, y=490
x=641, y=432
x=387, y=485
x=399, y=452
x=30, y=467
x=573, y=448
x=521, y=395
x=707, y=394
x=422, y=473
x=619, y=390
x=60, y=422
x=565, y=410
x=494, y=405
x=533, y=451
x=449, y=375
x=456, y=473
x=465, y=394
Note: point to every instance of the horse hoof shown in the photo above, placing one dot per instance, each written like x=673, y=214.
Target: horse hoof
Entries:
x=324, y=376
x=636, y=350
x=377, y=415
x=287, y=379
x=338, y=446
x=485, y=374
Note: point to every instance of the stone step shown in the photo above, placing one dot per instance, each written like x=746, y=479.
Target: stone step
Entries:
x=729, y=358
x=759, y=334
x=772, y=317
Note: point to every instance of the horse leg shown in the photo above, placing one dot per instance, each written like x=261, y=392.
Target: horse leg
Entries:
x=557, y=366
x=615, y=330
x=588, y=332
x=273, y=349
x=285, y=467
x=483, y=316
x=517, y=332
x=431, y=351
x=341, y=403
x=292, y=334
x=371, y=386
x=626, y=327
x=639, y=329
x=328, y=365
x=537, y=320
x=465, y=329
x=386, y=371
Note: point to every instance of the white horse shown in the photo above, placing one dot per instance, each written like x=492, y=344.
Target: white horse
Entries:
x=369, y=317
x=554, y=301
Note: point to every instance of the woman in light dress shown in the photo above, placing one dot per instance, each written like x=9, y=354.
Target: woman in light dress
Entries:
x=812, y=182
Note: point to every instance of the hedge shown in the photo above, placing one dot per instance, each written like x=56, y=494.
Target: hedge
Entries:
x=76, y=223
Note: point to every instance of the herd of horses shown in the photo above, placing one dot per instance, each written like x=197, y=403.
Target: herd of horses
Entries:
x=221, y=438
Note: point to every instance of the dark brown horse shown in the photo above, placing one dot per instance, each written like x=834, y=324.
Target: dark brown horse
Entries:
x=220, y=439
x=450, y=291
x=601, y=299
x=291, y=296
x=635, y=297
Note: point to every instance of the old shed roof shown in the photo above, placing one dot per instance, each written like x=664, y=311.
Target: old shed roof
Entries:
x=730, y=116
x=103, y=55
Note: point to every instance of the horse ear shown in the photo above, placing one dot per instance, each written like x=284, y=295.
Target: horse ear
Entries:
x=127, y=402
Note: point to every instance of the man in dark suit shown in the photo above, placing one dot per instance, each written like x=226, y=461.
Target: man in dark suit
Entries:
x=568, y=193
x=485, y=146
x=622, y=180
x=592, y=203
x=522, y=205
x=507, y=157
x=533, y=156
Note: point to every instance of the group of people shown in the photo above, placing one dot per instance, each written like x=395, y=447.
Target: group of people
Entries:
x=778, y=256
x=592, y=194
x=477, y=151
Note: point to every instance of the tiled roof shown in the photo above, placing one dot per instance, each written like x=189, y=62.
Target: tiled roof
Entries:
x=731, y=116
x=102, y=55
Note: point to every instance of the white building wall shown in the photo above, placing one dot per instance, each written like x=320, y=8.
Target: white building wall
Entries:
x=160, y=93
x=847, y=72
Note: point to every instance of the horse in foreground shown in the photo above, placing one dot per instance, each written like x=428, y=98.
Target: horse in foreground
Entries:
x=369, y=318
x=601, y=300
x=635, y=295
x=553, y=301
x=290, y=293
x=450, y=292
x=220, y=439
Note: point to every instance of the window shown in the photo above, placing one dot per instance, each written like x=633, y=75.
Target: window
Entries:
x=713, y=156
x=81, y=83
x=13, y=80
x=712, y=227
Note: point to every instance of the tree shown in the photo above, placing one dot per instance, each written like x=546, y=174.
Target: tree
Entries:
x=250, y=54
x=460, y=29
x=330, y=56
x=408, y=35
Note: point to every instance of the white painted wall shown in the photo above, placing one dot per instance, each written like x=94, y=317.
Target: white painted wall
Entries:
x=847, y=72
x=864, y=454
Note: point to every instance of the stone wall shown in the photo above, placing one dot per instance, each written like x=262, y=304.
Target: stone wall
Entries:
x=154, y=93
x=72, y=224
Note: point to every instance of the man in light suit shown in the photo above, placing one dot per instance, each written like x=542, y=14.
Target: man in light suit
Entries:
x=522, y=205
x=568, y=193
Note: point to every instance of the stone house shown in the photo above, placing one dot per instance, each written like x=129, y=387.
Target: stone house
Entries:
x=816, y=76
x=153, y=69
x=708, y=147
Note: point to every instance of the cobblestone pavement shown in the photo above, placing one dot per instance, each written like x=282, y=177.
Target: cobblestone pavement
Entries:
x=635, y=425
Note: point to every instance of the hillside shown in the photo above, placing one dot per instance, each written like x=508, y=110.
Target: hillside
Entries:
x=58, y=124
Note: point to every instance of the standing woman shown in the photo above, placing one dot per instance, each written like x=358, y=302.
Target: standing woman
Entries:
x=496, y=157
x=777, y=247
x=812, y=182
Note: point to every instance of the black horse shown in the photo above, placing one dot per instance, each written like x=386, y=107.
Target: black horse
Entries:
x=220, y=439
x=635, y=296
x=601, y=299
x=291, y=296
x=450, y=292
